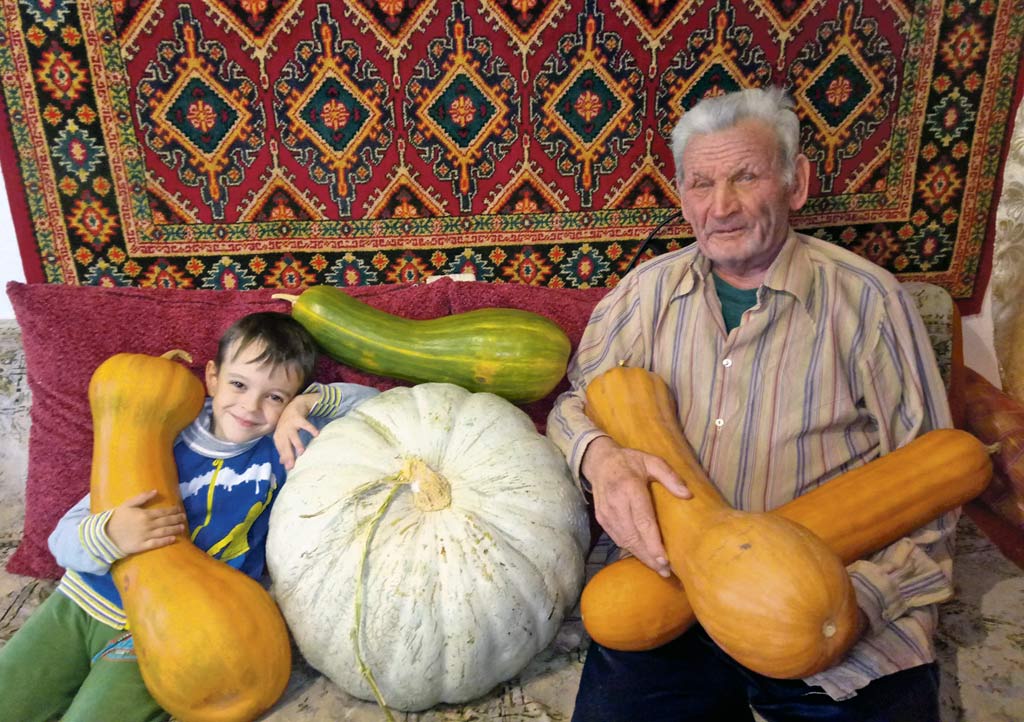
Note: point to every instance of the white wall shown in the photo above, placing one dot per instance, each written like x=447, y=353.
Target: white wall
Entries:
x=10, y=258
x=979, y=348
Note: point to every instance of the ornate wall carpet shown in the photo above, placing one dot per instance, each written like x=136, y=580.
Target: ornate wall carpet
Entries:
x=251, y=143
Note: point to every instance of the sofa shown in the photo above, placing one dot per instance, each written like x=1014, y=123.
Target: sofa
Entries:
x=61, y=333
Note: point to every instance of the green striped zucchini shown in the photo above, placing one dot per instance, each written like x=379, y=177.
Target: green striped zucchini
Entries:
x=516, y=354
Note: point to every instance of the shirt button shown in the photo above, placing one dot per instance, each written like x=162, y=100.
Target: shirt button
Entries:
x=727, y=362
x=719, y=422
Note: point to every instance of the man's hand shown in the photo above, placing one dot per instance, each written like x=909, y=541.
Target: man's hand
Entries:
x=134, y=529
x=622, y=500
x=294, y=419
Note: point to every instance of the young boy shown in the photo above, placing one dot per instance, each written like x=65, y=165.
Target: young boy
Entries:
x=73, y=659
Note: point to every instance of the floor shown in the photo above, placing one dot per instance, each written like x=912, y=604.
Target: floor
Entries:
x=981, y=641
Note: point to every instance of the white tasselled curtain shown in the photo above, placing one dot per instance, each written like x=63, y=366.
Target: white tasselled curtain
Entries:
x=1008, y=267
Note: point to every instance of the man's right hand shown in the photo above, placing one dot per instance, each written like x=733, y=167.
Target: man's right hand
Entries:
x=619, y=478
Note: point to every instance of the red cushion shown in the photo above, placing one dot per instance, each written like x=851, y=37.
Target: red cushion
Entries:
x=67, y=331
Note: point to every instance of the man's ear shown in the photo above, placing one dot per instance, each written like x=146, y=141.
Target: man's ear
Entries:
x=801, y=183
x=211, y=377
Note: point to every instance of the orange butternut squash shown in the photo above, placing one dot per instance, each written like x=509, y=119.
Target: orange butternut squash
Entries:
x=211, y=643
x=628, y=607
x=768, y=591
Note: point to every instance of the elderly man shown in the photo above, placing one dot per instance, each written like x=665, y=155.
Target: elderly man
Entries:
x=792, y=361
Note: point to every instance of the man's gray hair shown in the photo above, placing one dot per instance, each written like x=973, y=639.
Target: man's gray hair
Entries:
x=771, y=105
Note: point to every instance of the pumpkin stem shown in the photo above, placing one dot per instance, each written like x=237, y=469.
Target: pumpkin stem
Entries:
x=364, y=668
x=431, y=491
x=177, y=354
x=289, y=297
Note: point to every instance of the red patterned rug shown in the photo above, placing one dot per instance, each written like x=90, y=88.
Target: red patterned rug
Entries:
x=250, y=143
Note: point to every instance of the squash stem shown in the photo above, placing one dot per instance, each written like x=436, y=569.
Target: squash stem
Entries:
x=364, y=669
x=289, y=297
x=431, y=491
x=177, y=354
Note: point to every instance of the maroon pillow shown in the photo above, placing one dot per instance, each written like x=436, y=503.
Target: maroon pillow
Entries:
x=67, y=331
x=570, y=308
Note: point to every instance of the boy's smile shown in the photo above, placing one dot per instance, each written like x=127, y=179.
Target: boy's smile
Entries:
x=248, y=396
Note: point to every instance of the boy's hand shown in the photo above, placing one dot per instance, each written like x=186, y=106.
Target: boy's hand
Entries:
x=134, y=529
x=293, y=420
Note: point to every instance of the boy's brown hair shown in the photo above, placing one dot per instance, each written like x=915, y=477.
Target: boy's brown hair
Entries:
x=283, y=339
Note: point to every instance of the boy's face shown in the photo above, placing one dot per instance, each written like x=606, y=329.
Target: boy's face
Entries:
x=248, y=397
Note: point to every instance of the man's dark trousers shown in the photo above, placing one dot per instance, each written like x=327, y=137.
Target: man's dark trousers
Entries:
x=692, y=679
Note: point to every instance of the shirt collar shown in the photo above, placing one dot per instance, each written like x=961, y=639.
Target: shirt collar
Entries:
x=695, y=270
x=791, y=272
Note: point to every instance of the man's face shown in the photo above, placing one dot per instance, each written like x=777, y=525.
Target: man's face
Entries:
x=735, y=198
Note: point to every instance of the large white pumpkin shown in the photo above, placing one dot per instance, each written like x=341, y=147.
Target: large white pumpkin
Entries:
x=429, y=543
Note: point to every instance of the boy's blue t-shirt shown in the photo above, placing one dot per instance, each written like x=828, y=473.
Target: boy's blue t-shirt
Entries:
x=227, y=492
x=226, y=502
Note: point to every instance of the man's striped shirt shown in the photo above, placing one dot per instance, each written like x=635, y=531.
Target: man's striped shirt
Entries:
x=831, y=368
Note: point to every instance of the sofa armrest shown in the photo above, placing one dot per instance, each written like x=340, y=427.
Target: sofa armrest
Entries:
x=942, y=322
x=957, y=382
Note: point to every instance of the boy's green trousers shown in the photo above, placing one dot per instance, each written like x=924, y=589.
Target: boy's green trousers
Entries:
x=65, y=665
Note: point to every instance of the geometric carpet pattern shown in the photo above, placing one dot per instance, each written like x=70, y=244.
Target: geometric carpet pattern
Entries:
x=283, y=143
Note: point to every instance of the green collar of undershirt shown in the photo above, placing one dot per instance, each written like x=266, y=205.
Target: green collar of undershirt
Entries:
x=734, y=301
